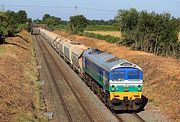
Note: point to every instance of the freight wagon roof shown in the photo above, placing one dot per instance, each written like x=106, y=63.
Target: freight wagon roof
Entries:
x=52, y=35
x=107, y=61
x=43, y=30
x=79, y=50
x=64, y=41
x=71, y=45
x=49, y=34
x=58, y=39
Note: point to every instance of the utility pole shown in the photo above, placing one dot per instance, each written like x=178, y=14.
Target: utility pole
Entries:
x=3, y=8
x=76, y=10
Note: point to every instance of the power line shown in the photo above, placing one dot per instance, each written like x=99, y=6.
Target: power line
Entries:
x=66, y=7
x=33, y=6
x=95, y=9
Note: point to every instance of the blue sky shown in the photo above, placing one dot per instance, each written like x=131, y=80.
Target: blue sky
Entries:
x=96, y=7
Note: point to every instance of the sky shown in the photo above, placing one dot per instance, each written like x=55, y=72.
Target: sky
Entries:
x=91, y=9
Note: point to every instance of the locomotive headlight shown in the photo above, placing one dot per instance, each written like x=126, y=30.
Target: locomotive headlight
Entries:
x=139, y=88
x=113, y=88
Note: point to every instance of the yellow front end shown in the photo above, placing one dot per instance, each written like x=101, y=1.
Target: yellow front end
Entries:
x=126, y=100
x=122, y=95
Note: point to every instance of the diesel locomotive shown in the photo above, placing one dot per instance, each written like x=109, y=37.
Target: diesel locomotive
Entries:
x=117, y=82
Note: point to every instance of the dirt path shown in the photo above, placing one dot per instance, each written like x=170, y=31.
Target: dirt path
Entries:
x=161, y=75
x=19, y=93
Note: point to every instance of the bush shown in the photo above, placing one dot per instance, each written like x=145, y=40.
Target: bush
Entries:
x=77, y=23
x=11, y=23
x=150, y=32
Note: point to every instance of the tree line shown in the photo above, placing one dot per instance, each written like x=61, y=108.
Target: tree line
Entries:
x=12, y=22
x=78, y=23
x=141, y=30
x=150, y=31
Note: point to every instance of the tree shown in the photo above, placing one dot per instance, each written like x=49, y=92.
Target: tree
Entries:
x=29, y=20
x=78, y=23
x=12, y=21
x=46, y=16
x=150, y=32
x=37, y=21
x=21, y=16
x=3, y=26
x=51, y=21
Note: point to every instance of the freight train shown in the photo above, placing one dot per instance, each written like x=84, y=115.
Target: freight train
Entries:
x=117, y=82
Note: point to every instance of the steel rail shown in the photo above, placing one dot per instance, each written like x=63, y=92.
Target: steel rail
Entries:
x=55, y=83
x=70, y=86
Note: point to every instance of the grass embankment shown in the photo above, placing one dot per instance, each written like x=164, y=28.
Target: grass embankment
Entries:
x=20, y=95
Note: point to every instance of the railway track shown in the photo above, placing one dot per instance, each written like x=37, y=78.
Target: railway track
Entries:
x=128, y=117
x=138, y=117
x=44, y=47
x=53, y=63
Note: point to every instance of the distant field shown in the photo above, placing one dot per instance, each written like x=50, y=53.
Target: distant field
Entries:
x=102, y=28
x=104, y=33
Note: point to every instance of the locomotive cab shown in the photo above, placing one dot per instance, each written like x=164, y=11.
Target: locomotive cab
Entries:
x=126, y=88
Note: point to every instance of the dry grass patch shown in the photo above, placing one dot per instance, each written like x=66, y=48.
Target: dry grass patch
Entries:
x=105, y=33
x=19, y=93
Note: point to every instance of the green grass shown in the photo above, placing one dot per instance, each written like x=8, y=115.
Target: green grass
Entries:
x=88, y=28
x=107, y=38
x=102, y=28
x=61, y=27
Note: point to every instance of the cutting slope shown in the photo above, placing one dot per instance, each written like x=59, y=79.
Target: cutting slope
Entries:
x=19, y=94
x=161, y=75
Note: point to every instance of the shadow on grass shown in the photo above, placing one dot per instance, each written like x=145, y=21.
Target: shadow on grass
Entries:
x=144, y=103
x=2, y=40
x=22, y=38
x=16, y=45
